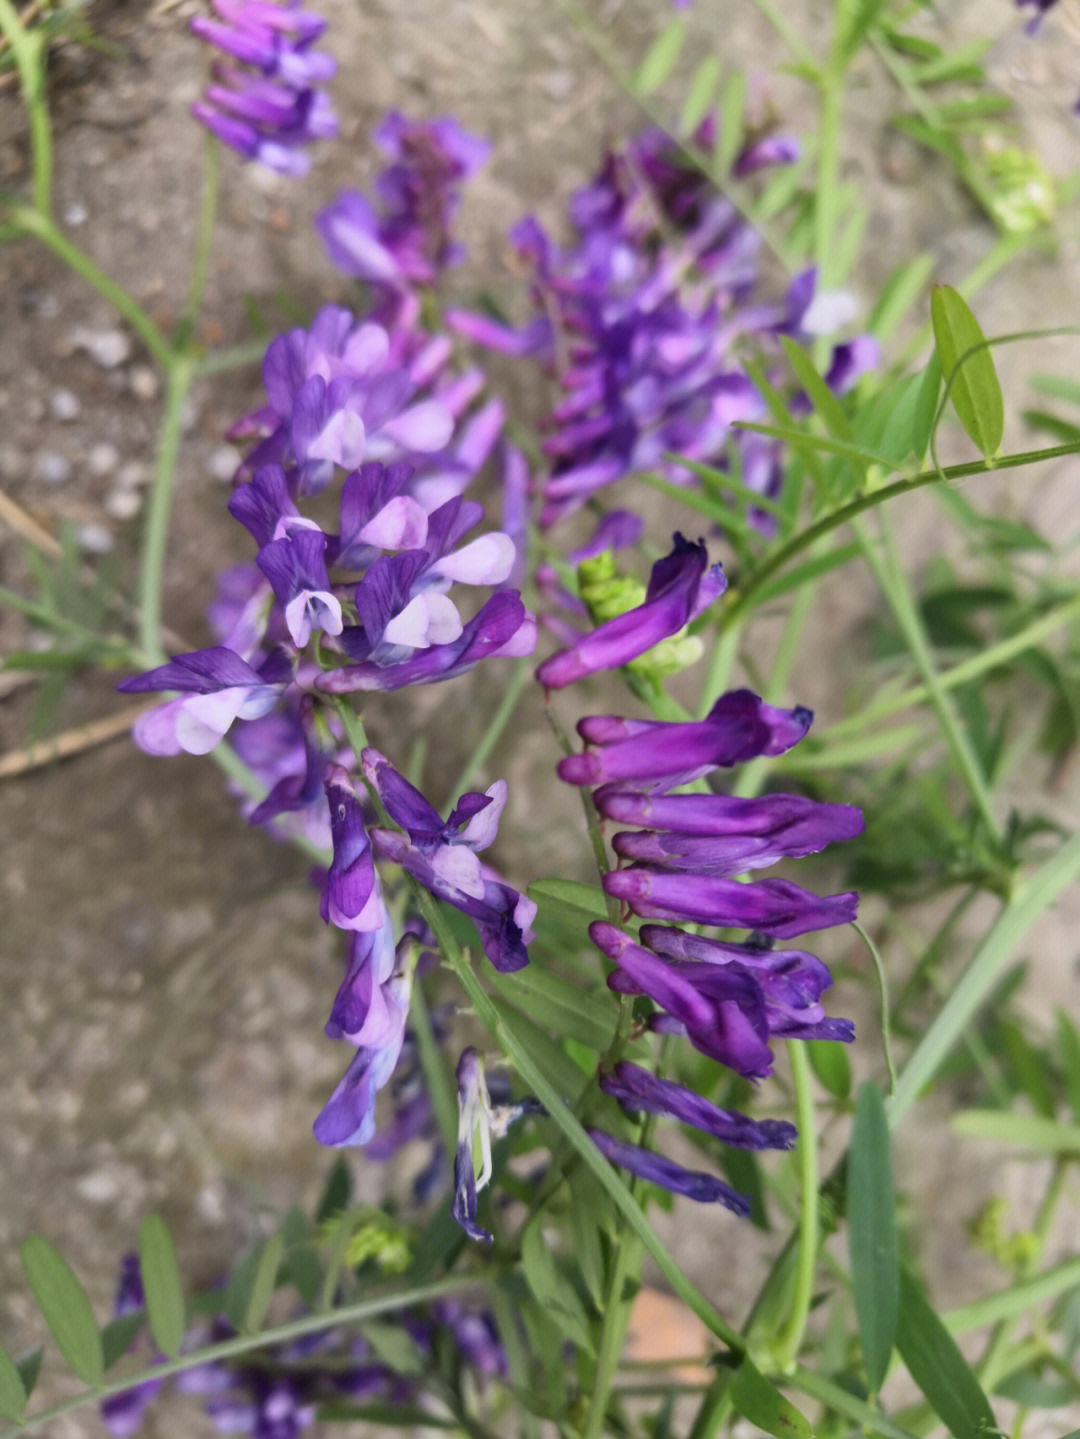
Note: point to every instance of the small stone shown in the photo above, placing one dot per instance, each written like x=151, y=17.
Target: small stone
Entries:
x=94, y=538
x=100, y=1187
x=107, y=348
x=133, y=475
x=103, y=458
x=76, y=213
x=123, y=504
x=52, y=468
x=64, y=405
x=224, y=462
x=144, y=383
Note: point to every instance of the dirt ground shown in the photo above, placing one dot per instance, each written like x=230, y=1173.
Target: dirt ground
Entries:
x=164, y=978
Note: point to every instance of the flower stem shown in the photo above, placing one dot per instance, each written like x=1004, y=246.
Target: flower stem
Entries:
x=179, y=376
x=789, y=1340
x=203, y=240
x=504, y=713
x=28, y=49
x=883, y=986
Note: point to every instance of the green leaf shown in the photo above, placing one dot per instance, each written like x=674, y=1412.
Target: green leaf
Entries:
x=969, y=370
x=119, y=1334
x=160, y=1272
x=855, y=18
x=824, y=401
x=922, y=422
x=699, y=95
x=732, y=124
x=563, y=1008
x=238, y=1290
x=337, y=1193
x=938, y=1368
x=569, y=894
x=29, y=1369
x=1068, y=1048
x=757, y=1400
x=1028, y=1069
x=831, y=1064
x=872, y=1237
x=65, y=1308
x=304, y=1272
x=263, y=1283
x=660, y=59
x=12, y=1391
x=1046, y=1136
x=397, y=1349
x=552, y=1287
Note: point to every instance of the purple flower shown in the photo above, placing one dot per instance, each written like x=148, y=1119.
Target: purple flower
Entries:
x=441, y=855
x=680, y=587
x=740, y=726
x=407, y=240
x=270, y=107
x=348, y=1117
x=640, y=1092
x=219, y=687
x=351, y=898
x=296, y=569
x=774, y=906
x=657, y=1169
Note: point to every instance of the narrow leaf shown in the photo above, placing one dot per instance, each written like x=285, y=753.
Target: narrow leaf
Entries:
x=238, y=1290
x=12, y=1391
x=1068, y=1048
x=660, y=59
x=699, y=96
x=824, y=401
x=732, y=123
x=969, y=371
x=65, y=1308
x=872, y=1239
x=165, y=1306
x=1047, y=1136
x=264, y=1283
x=757, y=1400
x=119, y=1334
x=831, y=1064
x=938, y=1368
x=570, y=894
x=922, y=423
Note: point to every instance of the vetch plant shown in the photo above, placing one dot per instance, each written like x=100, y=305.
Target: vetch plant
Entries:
x=538, y=1066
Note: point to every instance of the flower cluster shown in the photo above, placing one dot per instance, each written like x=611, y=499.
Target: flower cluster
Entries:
x=645, y=316
x=270, y=106
x=730, y=999
x=368, y=605
x=276, y=1394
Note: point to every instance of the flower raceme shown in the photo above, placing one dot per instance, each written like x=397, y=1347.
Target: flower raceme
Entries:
x=729, y=999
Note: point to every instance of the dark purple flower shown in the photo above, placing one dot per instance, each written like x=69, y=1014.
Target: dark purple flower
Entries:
x=351, y=897
x=638, y=1091
x=270, y=106
x=218, y=687
x=705, y=1188
x=442, y=857
x=296, y=569
x=739, y=727
x=680, y=587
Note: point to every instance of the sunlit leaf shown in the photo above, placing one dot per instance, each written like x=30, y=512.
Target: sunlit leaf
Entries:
x=968, y=366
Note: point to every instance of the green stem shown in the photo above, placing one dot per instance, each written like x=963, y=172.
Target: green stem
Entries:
x=179, y=375
x=1030, y=898
x=535, y=1079
x=721, y=662
x=844, y=514
x=31, y=222
x=495, y=727
x=871, y=1420
x=440, y=1086
x=789, y=1340
x=203, y=240
x=628, y=1256
x=893, y=582
x=29, y=51
x=250, y=1343
x=825, y=198
x=883, y=986
x=960, y=674
x=236, y=357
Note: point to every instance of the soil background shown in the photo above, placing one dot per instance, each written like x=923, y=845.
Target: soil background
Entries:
x=164, y=978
